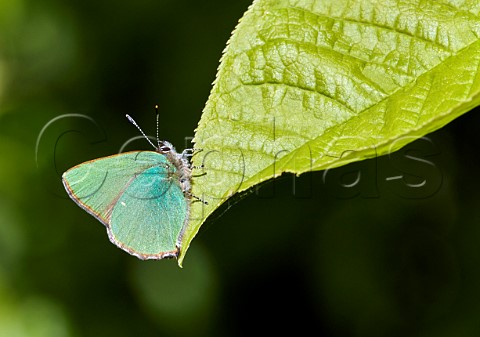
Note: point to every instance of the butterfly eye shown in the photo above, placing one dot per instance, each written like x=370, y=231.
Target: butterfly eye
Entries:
x=165, y=149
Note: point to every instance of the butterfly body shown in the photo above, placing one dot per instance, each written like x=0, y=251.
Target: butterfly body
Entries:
x=142, y=197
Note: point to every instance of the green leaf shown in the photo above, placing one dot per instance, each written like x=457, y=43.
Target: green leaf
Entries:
x=310, y=85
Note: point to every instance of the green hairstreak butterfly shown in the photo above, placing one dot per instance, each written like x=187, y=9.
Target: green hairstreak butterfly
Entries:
x=142, y=197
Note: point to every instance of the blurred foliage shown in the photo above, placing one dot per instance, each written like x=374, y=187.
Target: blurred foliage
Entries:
x=375, y=263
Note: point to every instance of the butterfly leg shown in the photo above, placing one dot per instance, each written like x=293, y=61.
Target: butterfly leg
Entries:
x=199, y=167
x=197, y=198
x=190, y=152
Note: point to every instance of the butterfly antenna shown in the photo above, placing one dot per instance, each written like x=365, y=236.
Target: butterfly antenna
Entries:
x=131, y=120
x=156, y=112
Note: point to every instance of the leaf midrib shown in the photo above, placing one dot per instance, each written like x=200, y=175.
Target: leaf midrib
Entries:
x=413, y=131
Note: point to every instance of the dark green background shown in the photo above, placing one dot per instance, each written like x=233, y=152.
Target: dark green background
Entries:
x=381, y=261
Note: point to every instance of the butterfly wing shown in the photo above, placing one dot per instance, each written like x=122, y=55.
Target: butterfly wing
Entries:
x=137, y=196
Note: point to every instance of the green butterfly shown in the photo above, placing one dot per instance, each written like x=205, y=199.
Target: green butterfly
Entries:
x=142, y=197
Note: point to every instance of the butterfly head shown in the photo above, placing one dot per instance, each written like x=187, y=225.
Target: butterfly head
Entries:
x=165, y=147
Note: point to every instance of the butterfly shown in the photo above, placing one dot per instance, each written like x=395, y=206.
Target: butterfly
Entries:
x=142, y=197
